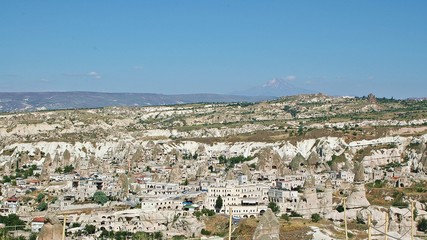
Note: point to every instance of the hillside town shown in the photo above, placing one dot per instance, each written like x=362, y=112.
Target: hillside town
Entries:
x=343, y=167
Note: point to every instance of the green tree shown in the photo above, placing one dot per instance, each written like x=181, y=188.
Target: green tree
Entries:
x=33, y=236
x=158, y=235
x=197, y=214
x=40, y=197
x=75, y=224
x=100, y=197
x=315, y=217
x=68, y=168
x=185, y=183
x=208, y=212
x=422, y=225
x=218, y=203
x=205, y=232
x=273, y=206
x=12, y=220
x=141, y=235
x=285, y=217
x=340, y=208
x=90, y=229
x=6, y=179
x=42, y=206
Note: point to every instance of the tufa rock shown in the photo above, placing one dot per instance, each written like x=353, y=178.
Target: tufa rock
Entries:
x=268, y=227
x=372, y=99
x=52, y=230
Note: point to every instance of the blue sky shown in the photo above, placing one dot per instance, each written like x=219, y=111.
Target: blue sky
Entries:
x=336, y=47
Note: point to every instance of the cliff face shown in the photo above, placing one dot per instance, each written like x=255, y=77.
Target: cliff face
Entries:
x=280, y=156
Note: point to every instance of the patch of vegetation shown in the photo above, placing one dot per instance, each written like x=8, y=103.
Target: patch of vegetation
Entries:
x=295, y=214
x=12, y=220
x=42, y=206
x=422, y=225
x=274, y=207
x=65, y=170
x=205, y=232
x=398, y=200
x=25, y=171
x=100, y=197
x=205, y=212
x=230, y=162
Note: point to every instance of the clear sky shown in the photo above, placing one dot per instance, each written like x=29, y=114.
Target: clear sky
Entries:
x=336, y=47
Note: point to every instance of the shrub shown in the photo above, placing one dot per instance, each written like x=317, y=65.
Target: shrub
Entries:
x=399, y=203
x=360, y=220
x=340, y=208
x=315, y=217
x=75, y=224
x=285, y=217
x=208, y=212
x=295, y=214
x=197, y=214
x=205, y=232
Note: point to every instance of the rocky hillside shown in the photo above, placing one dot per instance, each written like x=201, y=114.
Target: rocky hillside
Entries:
x=34, y=101
x=309, y=130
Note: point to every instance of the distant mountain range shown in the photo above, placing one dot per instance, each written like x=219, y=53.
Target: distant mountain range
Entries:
x=274, y=87
x=33, y=101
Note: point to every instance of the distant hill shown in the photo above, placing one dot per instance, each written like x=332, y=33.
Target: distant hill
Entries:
x=274, y=87
x=33, y=101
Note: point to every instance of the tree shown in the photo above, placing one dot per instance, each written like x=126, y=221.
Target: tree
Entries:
x=42, y=206
x=90, y=229
x=315, y=217
x=100, y=197
x=6, y=179
x=158, y=235
x=422, y=225
x=12, y=220
x=273, y=206
x=185, y=183
x=218, y=204
x=40, y=197
x=68, y=168
x=33, y=236
x=340, y=208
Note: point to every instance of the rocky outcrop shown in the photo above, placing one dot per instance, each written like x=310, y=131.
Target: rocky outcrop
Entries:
x=357, y=198
x=297, y=162
x=359, y=174
x=372, y=99
x=175, y=174
x=246, y=171
x=268, y=227
x=269, y=159
x=52, y=230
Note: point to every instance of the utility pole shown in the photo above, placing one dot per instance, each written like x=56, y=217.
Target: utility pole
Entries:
x=386, y=226
x=369, y=226
x=230, y=211
x=63, y=228
x=412, y=220
x=345, y=218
